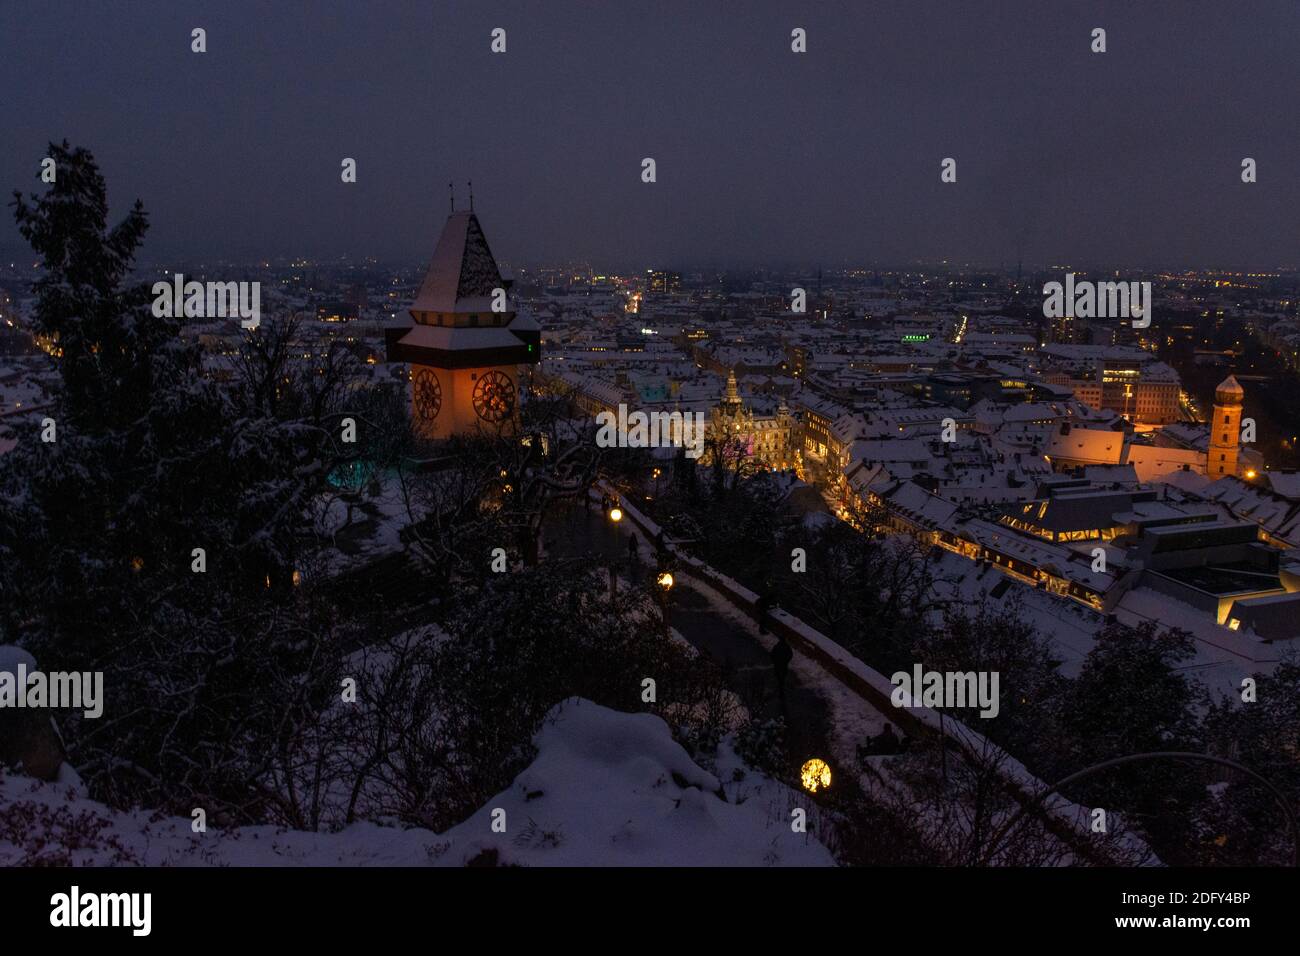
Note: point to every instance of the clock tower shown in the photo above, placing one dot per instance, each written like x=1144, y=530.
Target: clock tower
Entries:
x=1225, y=429
x=467, y=344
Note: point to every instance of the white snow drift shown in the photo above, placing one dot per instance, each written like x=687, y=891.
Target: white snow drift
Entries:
x=606, y=789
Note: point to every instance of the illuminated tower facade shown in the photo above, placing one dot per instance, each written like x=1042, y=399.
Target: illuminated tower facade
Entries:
x=731, y=396
x=465, y=355
x=1225, y=429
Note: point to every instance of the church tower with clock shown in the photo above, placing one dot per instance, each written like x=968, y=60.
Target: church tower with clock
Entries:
x=465, y=355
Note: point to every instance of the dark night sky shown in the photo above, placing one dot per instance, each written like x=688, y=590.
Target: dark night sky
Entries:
x=1131, y=158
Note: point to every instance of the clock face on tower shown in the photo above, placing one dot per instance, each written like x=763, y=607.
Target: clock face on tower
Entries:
x=428, y=394
x=494, y=397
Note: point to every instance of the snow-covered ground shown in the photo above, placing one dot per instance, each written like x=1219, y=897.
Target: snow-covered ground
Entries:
x=606, y=789
x=616, y=789
x=373, y=530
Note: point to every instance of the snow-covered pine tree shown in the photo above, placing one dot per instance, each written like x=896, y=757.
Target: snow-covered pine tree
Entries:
x=106, y=506
x=206, y=674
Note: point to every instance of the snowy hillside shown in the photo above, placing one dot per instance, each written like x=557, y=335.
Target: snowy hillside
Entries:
x=606, y=788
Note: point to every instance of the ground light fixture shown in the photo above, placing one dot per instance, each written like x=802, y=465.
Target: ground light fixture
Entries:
x=815, y=775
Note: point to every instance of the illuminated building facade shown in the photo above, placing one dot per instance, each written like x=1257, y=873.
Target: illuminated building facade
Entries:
x=656, y=280
x=1143, y=393
x=765, y=438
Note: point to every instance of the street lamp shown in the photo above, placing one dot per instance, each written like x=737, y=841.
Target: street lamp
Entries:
x=615, y=515
x=664, y=580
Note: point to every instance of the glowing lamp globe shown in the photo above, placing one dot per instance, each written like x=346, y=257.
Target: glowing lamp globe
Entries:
x=665, y=580
x=615, y=514
x=815, y=775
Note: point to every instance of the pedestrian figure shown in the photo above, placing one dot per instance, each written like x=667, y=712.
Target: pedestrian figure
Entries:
x=764, y=606
x=887, y=742
x=631, y=546
x=781, y=656
x=884, y=744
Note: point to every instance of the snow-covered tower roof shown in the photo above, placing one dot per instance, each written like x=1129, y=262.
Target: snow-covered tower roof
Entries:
x=456, y=325
x=463, y=272
x=1229, y=392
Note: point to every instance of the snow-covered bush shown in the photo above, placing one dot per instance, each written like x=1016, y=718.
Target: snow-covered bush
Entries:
x=761, y=744
x=36, y=833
